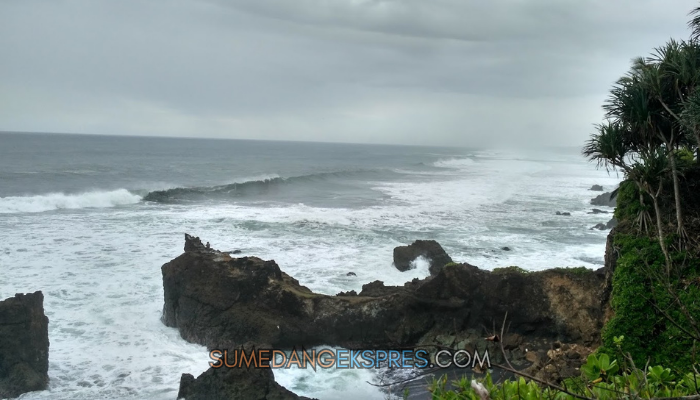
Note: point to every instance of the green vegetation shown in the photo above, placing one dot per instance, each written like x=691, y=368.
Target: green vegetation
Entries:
x=574, y=270
x=513, y=269
x=651, y=310
x=601, y=379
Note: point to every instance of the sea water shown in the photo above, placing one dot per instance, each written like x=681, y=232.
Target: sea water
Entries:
x=89, y=220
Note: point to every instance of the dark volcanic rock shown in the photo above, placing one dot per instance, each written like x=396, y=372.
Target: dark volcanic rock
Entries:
x=596, y=188
x=430, y=249
x=506, y=248
x=609, y=225
x=221, y=302
x=604, y=200
x=193, y=243
x=233, y=384
x=600, y=227
x=24, y=345
x=566, y=214
x=597, y=211
x=351, y=274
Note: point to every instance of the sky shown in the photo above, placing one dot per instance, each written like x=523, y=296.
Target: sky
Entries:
x=441, y=72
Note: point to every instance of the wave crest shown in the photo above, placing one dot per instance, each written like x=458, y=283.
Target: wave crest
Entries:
x=247, y=188
x=57, y=201
x=454, y=163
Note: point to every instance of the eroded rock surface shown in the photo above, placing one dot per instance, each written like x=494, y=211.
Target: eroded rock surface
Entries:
x=24, y=345
x=430, y=249
x=222, y=302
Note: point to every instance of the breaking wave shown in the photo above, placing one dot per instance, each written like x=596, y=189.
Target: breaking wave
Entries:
x=454, y=163
x=57, y=201
x=251, y=187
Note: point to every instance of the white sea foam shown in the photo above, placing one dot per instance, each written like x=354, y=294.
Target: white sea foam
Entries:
x=99, y=268
x=57, y=201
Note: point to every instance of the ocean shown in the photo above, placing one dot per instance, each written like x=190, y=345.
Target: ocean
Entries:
x=89, y=220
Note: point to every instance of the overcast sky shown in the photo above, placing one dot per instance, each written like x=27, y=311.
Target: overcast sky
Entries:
x=465, y=72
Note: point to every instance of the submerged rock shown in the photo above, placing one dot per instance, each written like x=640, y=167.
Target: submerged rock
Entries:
x=566, y=214
x=430, y=249
x=596, y=188
x=24, y=345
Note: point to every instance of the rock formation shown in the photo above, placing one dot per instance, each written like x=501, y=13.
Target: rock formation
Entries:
x=222, y=302
x=234, y=383
x=24, y=345
x=596, y=188
x=604, y=199
x=430, y=249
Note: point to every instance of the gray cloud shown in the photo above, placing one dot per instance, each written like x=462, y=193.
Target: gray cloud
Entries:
x=442, y=72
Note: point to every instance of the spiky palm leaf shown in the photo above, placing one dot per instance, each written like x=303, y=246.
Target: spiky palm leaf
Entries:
x=609, y=147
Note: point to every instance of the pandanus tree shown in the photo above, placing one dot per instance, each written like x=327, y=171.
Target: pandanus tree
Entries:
x=649, y=172
x=611, y=148
x=649, y=100
x=690, y=117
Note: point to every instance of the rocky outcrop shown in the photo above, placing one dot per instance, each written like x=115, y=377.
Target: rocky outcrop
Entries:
x=221, y=302
x=430, y=249
x=24, y=345
x=596, y=188
x=234, y=383
x=604, y=199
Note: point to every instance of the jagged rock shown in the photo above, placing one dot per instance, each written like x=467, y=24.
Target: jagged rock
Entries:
x=604, y=200
x=596, y=188
x=194, y=244
x=351, y=274
x=566, y=214
x=24, y=345
x=430, y=249
x=234, y=383
x=221, y=302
